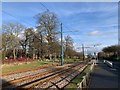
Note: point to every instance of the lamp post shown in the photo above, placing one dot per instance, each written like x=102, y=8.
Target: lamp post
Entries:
x=62, y=53
x=83, y=52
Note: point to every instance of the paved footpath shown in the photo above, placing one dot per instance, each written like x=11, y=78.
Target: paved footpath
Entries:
x=104, y=77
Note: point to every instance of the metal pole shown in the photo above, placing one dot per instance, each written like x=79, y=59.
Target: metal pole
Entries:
x=62, y=53
x=94, y=53
x=83, y=52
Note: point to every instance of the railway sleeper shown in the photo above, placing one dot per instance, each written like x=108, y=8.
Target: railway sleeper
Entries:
x=46, y=75
x=65, y=80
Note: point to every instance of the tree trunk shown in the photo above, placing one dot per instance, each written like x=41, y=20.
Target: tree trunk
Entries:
x=4, y=54
x=14, y=53
x=41, y=48
x=33, y=54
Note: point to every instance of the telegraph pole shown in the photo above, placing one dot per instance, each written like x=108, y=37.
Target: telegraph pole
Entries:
x=94, y=52
x=83, y=52
x=62, y=53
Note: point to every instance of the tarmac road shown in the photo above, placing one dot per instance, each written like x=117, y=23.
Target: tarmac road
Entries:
x=104, y=77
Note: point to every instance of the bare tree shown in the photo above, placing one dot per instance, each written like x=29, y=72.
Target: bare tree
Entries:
x=68, y=46
x=12, y=30
x=41, y=35
x=5, y=39
x=48, y=23
x=28, y=33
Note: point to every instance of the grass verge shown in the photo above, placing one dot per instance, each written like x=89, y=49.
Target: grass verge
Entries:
x=23, y=66
x=73, y=84
x=71, y=59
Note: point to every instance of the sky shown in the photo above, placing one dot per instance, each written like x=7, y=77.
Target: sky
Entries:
x=88, y=23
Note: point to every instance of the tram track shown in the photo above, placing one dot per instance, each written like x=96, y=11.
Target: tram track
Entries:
x=32, y=81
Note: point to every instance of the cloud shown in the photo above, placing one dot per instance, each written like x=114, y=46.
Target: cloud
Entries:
x=101, y=33
x=21, y=35
x=86, y=8
x=107, y=25
x=94, y=33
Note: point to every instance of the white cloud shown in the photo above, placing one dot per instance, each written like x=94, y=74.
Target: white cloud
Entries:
x=34, y=29
x=21, y=35
x=101, y=33
x=94, y=33
x=77, y=47
x=88, y=8
x=108, y=25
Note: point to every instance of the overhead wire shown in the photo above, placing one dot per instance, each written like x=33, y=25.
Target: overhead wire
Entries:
x=44, y=6
x=23, y=21
x=17, y=19
x=60, y=20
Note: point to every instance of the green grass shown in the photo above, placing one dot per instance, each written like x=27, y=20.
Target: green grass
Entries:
x=73, y=84
x=71, y=59
x=0, y=56
x=24, y=66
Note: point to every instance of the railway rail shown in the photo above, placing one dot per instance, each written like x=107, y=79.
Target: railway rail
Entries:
x=46, y=78
x=58, y=81
x=15, y=76
x=20, y=77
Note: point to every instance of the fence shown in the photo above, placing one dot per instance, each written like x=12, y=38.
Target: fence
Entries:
x=110, y=64
x=85, y=81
